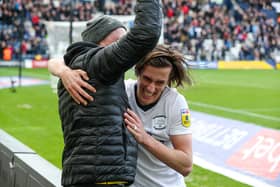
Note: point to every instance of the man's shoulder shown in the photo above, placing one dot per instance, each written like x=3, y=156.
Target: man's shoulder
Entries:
x=129, y=86
x=172, y=92
x=129, y=83
x=172, y=97
x=78, y=51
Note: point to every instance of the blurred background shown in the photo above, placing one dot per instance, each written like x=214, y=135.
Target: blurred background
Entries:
x=209, y=30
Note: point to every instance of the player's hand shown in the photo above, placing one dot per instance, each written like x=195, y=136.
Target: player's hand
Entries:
x=135, y=126
x=75, y=83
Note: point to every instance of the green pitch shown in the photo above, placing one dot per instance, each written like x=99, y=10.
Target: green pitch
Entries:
x=30, y=114
x=247, y=95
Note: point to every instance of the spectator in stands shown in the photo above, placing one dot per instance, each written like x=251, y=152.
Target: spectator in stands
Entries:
x=2, y=47
x=99, y=150
x=8, y=53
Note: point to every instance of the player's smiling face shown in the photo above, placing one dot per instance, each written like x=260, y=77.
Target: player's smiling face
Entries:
x=151, y=83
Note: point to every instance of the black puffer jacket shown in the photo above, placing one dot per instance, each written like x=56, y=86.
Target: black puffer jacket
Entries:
x=98, y=147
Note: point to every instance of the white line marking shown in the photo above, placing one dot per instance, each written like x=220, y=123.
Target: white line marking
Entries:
x=262, y=109
x=242, y=112
x=251, y=85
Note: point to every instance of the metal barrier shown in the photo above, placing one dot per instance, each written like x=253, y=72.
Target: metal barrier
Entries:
x=20, y=166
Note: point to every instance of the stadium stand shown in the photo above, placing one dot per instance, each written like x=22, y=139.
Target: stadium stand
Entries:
x=209, y=30
x=22, y=29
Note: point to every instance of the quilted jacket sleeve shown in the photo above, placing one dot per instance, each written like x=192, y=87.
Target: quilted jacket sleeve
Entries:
x=109, y=63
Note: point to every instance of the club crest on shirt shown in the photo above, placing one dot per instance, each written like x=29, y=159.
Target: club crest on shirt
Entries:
x=159, y=122
x=186, y=117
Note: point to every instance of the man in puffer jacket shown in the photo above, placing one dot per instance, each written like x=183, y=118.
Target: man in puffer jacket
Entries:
x=99, y=150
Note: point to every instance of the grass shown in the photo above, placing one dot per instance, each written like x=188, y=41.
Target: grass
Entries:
x=31, y=114
x=247, y=95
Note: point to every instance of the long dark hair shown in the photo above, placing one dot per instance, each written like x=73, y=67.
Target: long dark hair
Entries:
x=165, y=56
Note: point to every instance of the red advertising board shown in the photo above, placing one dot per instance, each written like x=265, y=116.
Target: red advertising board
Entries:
x=39, y=63
x=260, y=155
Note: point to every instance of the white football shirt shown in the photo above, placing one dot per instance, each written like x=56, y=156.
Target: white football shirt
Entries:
x=170, y=116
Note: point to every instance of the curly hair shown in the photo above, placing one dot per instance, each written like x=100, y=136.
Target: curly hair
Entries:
x=164, y=56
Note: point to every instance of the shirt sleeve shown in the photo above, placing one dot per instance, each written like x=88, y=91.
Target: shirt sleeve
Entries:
x=180, y=120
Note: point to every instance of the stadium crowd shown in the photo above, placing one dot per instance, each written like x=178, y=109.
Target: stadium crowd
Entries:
x=208, y=30
x=234, y=30
x=22, y=29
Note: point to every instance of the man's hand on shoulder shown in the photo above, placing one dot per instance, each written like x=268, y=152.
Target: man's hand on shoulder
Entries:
x=75, y=82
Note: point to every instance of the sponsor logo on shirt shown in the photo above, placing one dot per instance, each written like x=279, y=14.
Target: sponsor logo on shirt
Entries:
x=186, y=117
x=159, y=122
